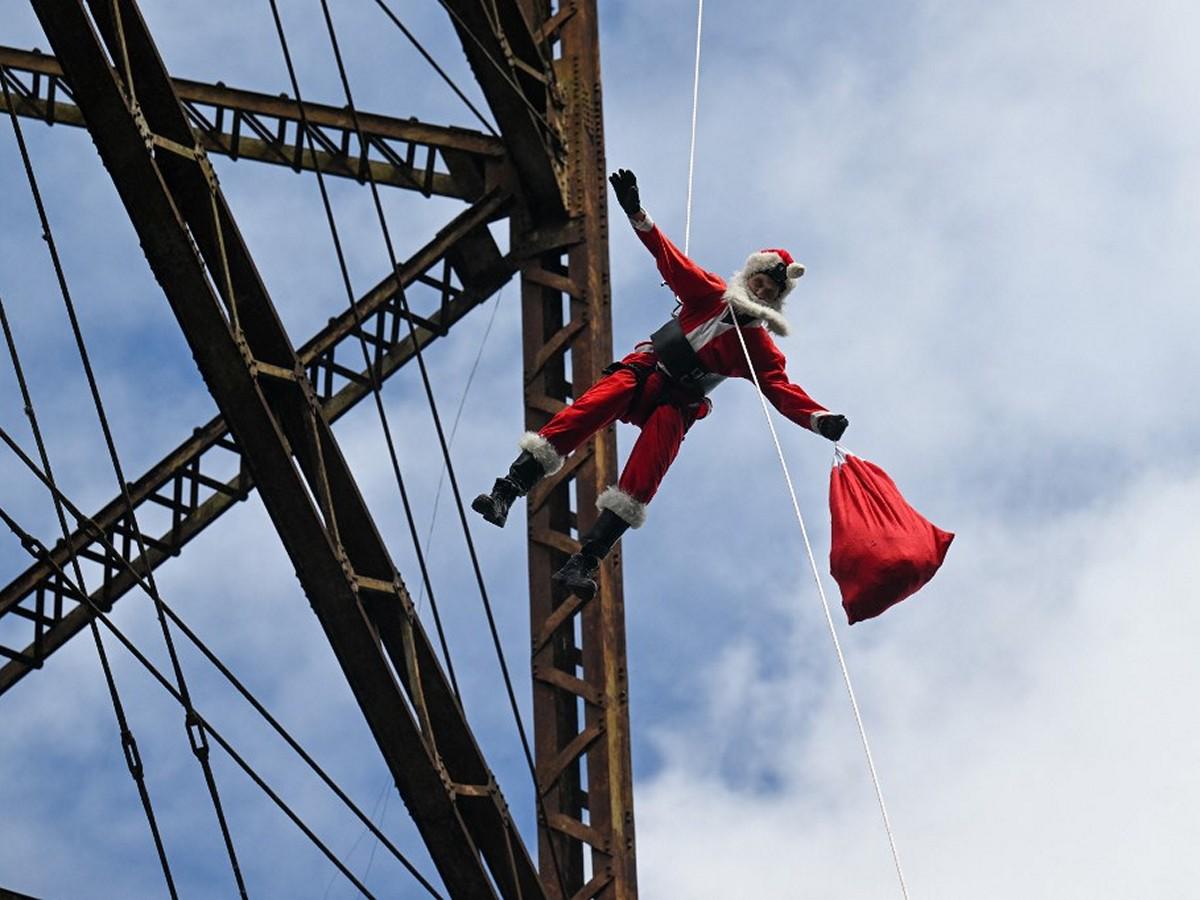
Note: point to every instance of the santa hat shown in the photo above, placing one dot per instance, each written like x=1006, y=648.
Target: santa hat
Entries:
x=778, y=264
x=782, y=269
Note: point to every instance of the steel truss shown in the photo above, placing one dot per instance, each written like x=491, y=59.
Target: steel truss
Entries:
x=462, y=265
x=432, y=159
x=260, y=384
x=538, y=66
x=546, y=99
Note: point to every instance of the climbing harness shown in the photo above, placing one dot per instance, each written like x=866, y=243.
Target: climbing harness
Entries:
x=677, y=357
x=788, y=479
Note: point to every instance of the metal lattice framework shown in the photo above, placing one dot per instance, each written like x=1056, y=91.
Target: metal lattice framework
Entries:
x=538, y=66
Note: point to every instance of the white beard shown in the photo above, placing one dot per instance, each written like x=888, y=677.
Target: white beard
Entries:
x=743, y=299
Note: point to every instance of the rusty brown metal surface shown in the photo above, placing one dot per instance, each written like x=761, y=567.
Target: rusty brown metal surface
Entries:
x=538, y=65
x=513, y=70
x=241, y=124
x=200, y=260
x=602, y=738
x=461, y=267
x=580, y=692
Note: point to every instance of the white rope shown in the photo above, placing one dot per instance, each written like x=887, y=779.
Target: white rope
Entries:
x=837, y=645
x=687, y=222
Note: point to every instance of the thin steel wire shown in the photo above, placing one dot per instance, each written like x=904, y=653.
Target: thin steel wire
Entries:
x=38, y=552
x=437, y=494
x=437, y=68
x=425, y=380
x=195, y=734
x=88, y=524
x=128, y=740
x=504, y=73
x=372, y=368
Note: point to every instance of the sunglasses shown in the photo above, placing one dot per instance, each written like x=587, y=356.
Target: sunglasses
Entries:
x=778, y=274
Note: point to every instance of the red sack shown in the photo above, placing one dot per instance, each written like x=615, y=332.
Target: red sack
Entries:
x=882, y=550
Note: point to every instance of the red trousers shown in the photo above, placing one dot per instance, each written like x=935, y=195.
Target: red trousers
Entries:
x=637, y=393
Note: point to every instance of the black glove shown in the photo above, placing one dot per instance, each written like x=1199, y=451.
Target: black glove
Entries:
x=624, y=183
x=832, y=426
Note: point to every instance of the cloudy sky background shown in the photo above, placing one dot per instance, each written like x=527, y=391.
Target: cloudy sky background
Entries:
x=997, y=203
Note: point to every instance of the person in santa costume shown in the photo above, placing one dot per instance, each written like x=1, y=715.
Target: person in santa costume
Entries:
x=662, y=385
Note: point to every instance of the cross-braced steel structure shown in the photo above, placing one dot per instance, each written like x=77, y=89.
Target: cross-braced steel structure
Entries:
x=538, y=66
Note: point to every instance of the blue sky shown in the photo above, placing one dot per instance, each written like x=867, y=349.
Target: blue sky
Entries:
x=997, y=206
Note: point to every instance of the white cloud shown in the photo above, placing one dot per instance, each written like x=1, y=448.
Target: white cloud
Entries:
x=997, y=206
x=1032, y=730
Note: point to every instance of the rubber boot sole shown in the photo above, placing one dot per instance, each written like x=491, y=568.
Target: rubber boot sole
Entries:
x=485, y=507
x=585, y=590
x=572, y=579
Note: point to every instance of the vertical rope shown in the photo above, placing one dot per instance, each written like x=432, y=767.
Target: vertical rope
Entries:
x=687, y=222
x=837, y=646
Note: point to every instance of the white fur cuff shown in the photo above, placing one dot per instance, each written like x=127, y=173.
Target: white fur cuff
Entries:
x=814, y=421
x=615, y=499
x=642, y=221
x=542, y=450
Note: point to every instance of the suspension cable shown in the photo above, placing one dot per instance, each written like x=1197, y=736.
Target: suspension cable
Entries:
x=371, y=367
x=85, y=522
x=462, y=402
x=449, y=465
x=129, y=745
x=837, y=646
x=437, y=68
x=505, y=75
x=195, y=732
x=39, y=553
x=128, y=742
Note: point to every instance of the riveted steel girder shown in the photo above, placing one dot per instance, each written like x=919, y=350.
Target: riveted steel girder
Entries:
x=197, y=253
x=539, y=67
x=241, y=124
x=459, y=269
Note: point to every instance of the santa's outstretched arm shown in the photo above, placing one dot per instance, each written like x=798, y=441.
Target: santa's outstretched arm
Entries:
x=786, y=396
x=687, y=280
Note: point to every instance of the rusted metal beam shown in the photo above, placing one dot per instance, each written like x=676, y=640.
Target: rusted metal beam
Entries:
x=241, y=124
x=199, y=257
x=518, y=81
x=192, y=483
x=580, y=690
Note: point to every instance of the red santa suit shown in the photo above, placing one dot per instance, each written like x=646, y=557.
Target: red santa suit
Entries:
x=640, y=390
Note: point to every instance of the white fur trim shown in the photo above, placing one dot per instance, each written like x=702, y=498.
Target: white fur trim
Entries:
x=760, y=262
x=615, y=499
x=642, y=221
x=814, y=419
x=542, y=450
x=738, y=294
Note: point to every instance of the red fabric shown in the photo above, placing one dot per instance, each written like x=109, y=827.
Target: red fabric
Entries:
x=663, y=416
x=662, y=412
x=702, y=316
x=783, y=254
x=883, y=550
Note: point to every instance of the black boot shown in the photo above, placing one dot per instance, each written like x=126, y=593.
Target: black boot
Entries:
x=579, y=574
x=522, y=475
